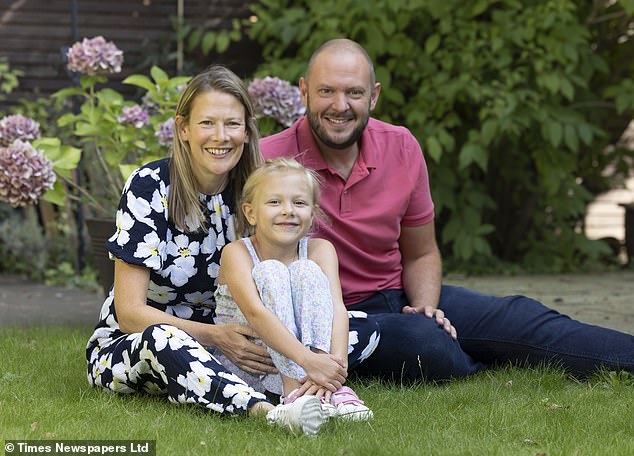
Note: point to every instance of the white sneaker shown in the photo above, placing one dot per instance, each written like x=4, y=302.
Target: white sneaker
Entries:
x=329, y=410
x=303, y=414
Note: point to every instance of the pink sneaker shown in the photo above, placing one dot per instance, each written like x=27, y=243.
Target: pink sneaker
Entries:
x=349, y=406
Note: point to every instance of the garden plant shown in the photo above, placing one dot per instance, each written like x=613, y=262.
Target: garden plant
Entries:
x=519, y=105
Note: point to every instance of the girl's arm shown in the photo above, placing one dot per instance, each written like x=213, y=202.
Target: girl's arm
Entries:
x=236, y=265
x=324, y=254
x=134, y=315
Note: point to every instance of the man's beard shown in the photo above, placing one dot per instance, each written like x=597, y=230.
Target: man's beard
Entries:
x=320, y=132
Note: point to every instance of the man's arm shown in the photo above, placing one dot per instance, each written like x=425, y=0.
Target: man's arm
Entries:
x=422, y=273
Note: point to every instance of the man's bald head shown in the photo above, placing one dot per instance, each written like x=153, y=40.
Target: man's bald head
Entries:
x=340, y=46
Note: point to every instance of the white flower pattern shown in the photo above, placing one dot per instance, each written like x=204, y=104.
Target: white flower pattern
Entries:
x=180, y=266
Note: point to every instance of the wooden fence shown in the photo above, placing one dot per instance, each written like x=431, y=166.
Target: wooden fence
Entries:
x=35, y=33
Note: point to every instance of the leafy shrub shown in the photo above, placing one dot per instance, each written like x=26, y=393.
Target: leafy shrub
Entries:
x=515, y=103
x=22, y=246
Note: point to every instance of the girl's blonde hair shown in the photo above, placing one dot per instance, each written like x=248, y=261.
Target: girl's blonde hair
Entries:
x=183, y=204
x=261, y=174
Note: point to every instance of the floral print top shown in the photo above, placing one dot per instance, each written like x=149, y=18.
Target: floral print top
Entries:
x=183, y=266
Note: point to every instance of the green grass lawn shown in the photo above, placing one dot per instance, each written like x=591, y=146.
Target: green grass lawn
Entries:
x=507, y=411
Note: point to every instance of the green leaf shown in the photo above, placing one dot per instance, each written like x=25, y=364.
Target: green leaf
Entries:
x=194, y=39
x=69, y=92
x=140, y=81
x=473, y=153
x=86, y=129
x=65, y=120
x=585, y=133
x=209, y=39
x=566, y=88
x=68, y=158
x=177, y=81
x=158, y=75
x=489, y=129
x=110, y=97
x=479, y=7
x=554, y=132
x=570, y=138
x=432, y=43
x=126, y=170
x=628, y=6
x=62, y=157
x=222, y=43
x=56, y=195
x=434, y=148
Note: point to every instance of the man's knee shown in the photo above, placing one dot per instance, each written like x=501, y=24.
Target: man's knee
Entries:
x=416, y=347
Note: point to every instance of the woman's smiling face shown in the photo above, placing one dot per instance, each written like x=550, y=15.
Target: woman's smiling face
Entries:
x=216, y=133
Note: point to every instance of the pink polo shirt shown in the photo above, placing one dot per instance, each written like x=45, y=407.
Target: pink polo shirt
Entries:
x=388, y=188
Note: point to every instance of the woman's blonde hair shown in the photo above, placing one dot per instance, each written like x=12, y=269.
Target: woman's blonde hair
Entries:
x=261, y=174
x=183, y=204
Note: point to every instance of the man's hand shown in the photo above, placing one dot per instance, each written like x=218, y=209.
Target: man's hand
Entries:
x=232, y=340
x=431, y=312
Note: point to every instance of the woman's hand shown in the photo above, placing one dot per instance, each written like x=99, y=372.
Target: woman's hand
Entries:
x=233, y=340
x=325, y=370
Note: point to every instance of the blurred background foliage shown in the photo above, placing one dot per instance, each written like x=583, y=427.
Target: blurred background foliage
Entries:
x=520, y=106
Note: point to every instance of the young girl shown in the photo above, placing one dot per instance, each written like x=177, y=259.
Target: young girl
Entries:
x=292, y=296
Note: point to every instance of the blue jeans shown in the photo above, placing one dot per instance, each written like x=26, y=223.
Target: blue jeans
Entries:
x=490, y=330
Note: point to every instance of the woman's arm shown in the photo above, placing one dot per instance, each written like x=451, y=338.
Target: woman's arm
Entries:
x=134, y=315
x=236, y=265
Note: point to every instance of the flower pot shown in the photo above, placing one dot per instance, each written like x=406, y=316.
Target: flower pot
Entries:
x=99, y=231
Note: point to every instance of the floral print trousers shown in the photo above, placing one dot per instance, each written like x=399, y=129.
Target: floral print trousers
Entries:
x=300, y=297
x=166, y=360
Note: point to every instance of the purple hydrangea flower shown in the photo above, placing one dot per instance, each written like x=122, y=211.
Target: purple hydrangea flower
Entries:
x=18, y=127
x=134, y=115
x=25, y=174
x=165, y=133
x=148, y=105
x=276, y=98
x=93, y=56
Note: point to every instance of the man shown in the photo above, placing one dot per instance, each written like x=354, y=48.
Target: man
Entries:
x=376, y=195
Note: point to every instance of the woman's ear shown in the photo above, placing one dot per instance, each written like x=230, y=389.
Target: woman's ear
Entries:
x=181, y=125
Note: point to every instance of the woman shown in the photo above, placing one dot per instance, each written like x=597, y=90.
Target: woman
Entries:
x=174, y=217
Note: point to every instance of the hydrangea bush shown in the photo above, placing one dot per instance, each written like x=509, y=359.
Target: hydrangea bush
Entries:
x=18, y=127
x=115, y=135
x=93, y=56
x=25, y=174
x=276, y=98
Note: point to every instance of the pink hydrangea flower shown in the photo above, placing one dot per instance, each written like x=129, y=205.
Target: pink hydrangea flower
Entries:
x=93, y=56
x=276, y=98
x=25, y=174
x=134, y=115
x=18, y=127
x=165, y=133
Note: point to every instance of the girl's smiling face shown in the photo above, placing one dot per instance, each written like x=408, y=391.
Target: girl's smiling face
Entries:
x=282, y=210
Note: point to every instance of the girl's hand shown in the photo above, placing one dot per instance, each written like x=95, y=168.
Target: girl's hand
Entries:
x=311, y=388
x=326, y=370
x=233, y=340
